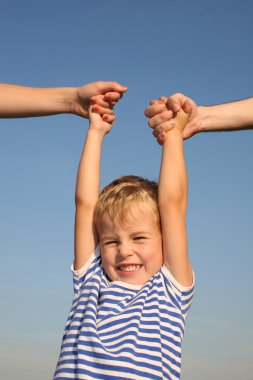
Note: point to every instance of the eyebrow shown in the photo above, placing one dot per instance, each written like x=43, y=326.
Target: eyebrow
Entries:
x=141, y=233
x=106, y=237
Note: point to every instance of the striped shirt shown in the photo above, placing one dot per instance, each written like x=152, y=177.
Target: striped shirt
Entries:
x=119, y=331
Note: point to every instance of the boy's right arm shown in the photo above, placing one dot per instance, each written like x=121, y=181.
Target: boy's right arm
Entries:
x=172, y=195
x=87, y=187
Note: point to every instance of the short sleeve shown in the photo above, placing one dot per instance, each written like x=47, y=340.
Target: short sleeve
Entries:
x=82, y=275
x=181, y=296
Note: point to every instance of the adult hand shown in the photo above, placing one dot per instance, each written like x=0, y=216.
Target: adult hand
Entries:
x=178, y=101
x=165, y=109
x=103, y=94
x=160, y=118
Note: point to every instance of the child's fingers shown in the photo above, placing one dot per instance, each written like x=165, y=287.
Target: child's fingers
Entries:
x=160, y=118
x=101, y=110
x=108, y=118
x=154, y=109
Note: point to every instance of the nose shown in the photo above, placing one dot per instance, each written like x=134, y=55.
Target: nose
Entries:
x=125, y=250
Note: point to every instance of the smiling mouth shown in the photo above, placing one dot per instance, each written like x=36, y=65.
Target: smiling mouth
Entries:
x=129, y=268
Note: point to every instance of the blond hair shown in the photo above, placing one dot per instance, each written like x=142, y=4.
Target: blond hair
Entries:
x=118, y=197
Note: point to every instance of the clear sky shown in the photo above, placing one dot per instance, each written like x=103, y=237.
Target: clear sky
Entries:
x=201, y=48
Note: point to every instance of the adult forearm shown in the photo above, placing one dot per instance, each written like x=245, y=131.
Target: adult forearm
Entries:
x=19, y=101
x=173, y=175
x=88, y=177
x=227, y=117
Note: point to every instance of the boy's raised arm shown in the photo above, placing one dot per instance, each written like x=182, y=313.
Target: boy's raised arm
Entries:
x=172, y=200
x=88, y=185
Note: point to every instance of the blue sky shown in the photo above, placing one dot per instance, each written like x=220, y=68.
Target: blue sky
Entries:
x=201, y=48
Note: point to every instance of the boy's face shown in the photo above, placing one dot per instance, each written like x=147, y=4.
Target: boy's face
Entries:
x=131, y=252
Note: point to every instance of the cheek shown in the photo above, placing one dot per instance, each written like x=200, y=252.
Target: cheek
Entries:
x=107, y=258
x=156, y=256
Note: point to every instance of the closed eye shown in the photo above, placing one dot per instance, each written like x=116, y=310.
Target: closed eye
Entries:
x=111, y=242
x=140, y=238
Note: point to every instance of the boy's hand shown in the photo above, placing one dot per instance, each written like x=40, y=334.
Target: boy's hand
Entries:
x=160, y=118
x=163, y=120
x=104, y=94
x=174, y=103
x=177, y=102
x=101, y=119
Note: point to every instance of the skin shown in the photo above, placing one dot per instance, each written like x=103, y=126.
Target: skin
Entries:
x=88, y=186
x=21, y=101
x=162, y=111
x=138, y=241
x=172, y=201
x=230, y=116
x=104, y=95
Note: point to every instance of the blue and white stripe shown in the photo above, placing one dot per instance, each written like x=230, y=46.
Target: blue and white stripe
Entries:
x=120, y=331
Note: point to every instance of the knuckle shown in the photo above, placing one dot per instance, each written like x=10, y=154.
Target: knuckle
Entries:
x=151, y=123
x=99, y=84
x=174, y=97
x=165, y=116
x=159, y=128
x=163, y=99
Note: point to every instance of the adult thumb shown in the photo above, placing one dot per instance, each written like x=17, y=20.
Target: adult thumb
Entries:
x=111, y=87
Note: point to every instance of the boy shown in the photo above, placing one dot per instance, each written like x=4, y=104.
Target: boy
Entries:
x=133, y=293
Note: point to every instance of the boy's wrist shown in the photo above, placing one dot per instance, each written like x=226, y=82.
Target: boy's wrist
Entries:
x=175, y=133
x=97, y=133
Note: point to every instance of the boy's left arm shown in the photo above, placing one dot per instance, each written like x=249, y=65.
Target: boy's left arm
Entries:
x=172, y=201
